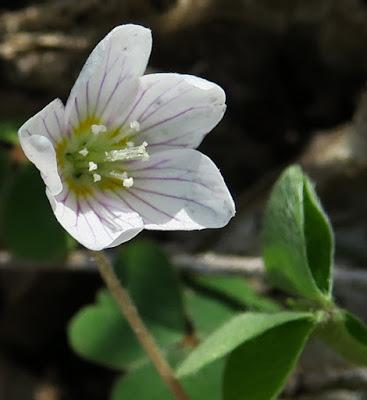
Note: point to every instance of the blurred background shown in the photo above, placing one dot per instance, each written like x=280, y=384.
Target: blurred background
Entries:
x=294, y=72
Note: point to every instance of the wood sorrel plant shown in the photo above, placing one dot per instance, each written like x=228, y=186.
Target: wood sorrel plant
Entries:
x=260, y=349
x=240, y=355
x=119, y=158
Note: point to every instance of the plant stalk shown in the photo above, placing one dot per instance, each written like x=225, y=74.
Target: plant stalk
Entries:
x=130, y=312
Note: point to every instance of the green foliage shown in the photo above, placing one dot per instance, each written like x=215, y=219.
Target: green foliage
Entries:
x=29, y=227
x=206, y=314
x=238, y=290
x=153, y=284
x=206, y=385
x=100, y=334
x=298, y=241
x=9, y=132
x=240, y=355
x=259, y=368
x=347, y=335
x=237, y=331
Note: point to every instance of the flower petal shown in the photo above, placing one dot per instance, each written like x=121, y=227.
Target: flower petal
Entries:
x=95, y=222
x=176, y=110
x=179, y=189
x=38, y=137
x=108, y=81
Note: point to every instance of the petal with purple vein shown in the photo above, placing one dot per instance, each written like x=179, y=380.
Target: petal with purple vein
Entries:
x=96, y=223
x=108, y=82
x=176, y=110
x=179, y=189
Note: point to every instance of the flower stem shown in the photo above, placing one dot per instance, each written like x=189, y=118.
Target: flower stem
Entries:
x=128, y=309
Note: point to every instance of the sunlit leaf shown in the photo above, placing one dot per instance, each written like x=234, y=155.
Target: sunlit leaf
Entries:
x=298, y=241
x=259, y=368
x=232, y=334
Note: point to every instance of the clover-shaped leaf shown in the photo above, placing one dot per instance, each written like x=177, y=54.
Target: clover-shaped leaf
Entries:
x=99, y=333
x=298, y=240
x=259, y=368
x=240, y=329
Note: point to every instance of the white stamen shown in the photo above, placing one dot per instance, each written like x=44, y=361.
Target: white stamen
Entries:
x=92, y=166
x=130, y=144
x=128, y=182
x=96, y=177
x=145, y=144
x=135, y=126
x=96, y=129
x=129, y=153
x=84, y=152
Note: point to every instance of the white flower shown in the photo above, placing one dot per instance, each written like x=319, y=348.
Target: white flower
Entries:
x=119, y=156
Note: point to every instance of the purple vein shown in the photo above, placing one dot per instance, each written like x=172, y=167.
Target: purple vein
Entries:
x=169, y=141
x=58, y=123
x=163, y=105
x=87, y=98
x=150, y=205
x=157, y=98
x=103, y=220
x=153, y=166
x=164, y=178
x=117, y=85
x=131, y=207
x=47, y=130
x=171, y=196
x=163, y=121
x=137, y=102
x=77, y=109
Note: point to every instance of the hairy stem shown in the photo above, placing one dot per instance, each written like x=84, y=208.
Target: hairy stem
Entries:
x=129, y=311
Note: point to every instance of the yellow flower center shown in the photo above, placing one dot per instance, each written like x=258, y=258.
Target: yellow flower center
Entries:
x=96, y=157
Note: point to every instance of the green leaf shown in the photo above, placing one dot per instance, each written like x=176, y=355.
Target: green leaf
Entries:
x=319, y=239
x=6, y=178
x=259, y=368
x=347, y=334
x=298, y=240
x=9, y=132
x=206, y=314
x=153, y=284
x=144, y=383
x=240, y=291
x=30, y=229
x=238, y=330
x=100, y=334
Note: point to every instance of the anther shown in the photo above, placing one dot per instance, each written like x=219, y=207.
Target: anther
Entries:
x=128, y=182
x=92, y=166
x=96, y=129
x=84, y=152
x=96, y=177
x=135, y=126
